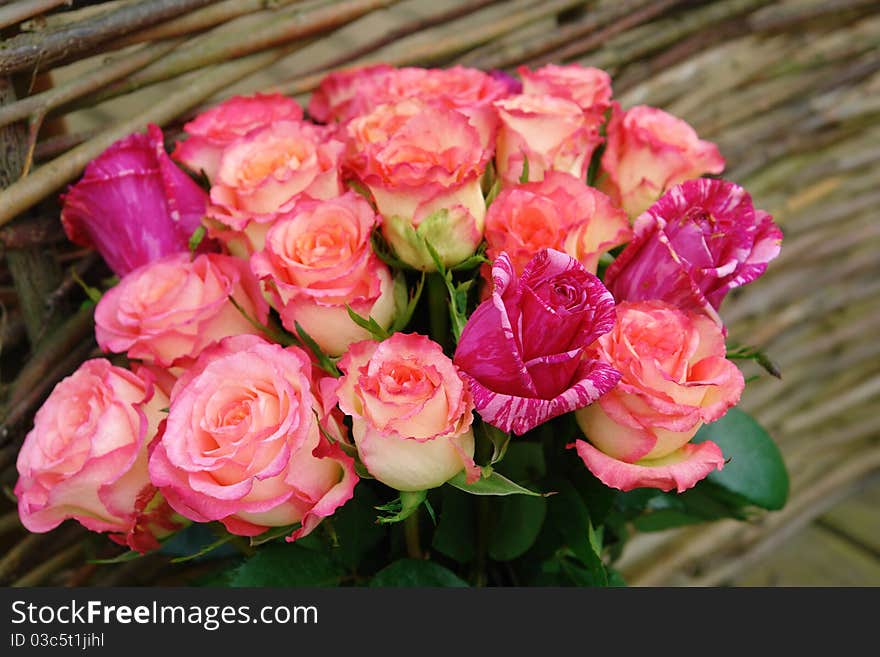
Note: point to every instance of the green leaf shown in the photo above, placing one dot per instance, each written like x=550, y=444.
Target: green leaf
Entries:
x=518, y=522
x=457, y=293
x=524, y=177
x=499, y=440
x=493, y=192
x=368, y=324
x=196, y=239
x=93, y=293
x=402, y=507
x=288, y=565
x=131, y=555
x=455, y=534
x=404, y=302
x=356, y=530
x=492, y=483
x=524, y=461
x=206, y=549
x=745, y=352
x=384, y=251
x=324, y=361
x=569, y=514
x=755, y=470
x=415, y=572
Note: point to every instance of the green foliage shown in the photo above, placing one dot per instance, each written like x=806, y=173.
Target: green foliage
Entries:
x=518, y=522
x=368, y=324
x=416, y=572
x=491, y=483
x=196, y=239
x=401, y=507
x=755, y=470
x=287, y=564
x=455, y=536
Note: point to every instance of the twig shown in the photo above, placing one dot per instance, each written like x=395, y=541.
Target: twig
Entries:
x=45, y=569
x=55, y=174
x=30, y=51
x=20, y=11
x=110, y=70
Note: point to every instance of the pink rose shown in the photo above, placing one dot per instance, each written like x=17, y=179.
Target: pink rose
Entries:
x=559, y=212
x=522, y=351
x=648, y=152
x=423, y=165
x=551, y=133
x=86, y=458
x=343, y=95
x=411, y=411
x=674, y=378
x=175, y=307
x=214, y=129
x=699, y=241
x=133, y=204
x=588, y=88
x=263, y=172
x=243, y=445
x=317, y=260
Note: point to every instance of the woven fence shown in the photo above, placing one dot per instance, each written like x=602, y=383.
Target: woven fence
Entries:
x=790, y=91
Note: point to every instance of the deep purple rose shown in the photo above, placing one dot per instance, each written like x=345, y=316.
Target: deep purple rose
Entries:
x=700, y=240
x=522, y=349
x=133, y=204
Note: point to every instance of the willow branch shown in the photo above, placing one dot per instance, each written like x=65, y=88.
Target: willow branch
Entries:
x=226, y=44
x=30, y=51
x=55, y=174
x=109, y=70
x=19, y=11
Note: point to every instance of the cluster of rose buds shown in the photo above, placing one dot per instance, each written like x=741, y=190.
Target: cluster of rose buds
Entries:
x=217, y=421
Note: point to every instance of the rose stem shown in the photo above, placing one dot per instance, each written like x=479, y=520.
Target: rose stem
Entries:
x=411, y=534
x=438, y=309
x=482, y=456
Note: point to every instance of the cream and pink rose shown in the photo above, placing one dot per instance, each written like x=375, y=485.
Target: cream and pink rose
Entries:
x=263, y=172
x=318, y=260
x=674, y=379
x=587, y=87
x=214, y=129
x=86, y=458
x=648, y=152
x=423, y=165
x=551, y=133
x=411, y=411
x=560, y=212
x=173, y=308
x=244, y=443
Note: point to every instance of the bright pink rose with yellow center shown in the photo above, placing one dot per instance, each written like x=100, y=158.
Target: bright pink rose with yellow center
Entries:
x=674, y=379
x=214, y=129
x=86, y=458
x=411, y=411
x=317, y=261
x=648, y=152
x=245, y=442
x=175, y=307
x=422, y=163
x=560, y=212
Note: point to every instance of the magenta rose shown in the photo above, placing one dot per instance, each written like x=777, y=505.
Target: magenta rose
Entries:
x=523, y=349
x=86, y=458
x=214, y=129
x=699, y=241
x=133, y=204
x=246, y=442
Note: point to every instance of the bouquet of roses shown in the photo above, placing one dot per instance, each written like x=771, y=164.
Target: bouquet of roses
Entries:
x=483, y=307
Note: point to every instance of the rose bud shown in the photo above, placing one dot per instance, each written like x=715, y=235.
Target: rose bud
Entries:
x=411, y=411
x=86, y=458
x=674, y=378
x=318, y=260
x=175, y=307
x=648, y=152
x=214, y=129
x=699, y=241
x=422, y=164
x=588, y=88
x=559, y=212
x=133, y=204
x=245, y=442
x=263, y=172
x=553, y=134
x=522, y=351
